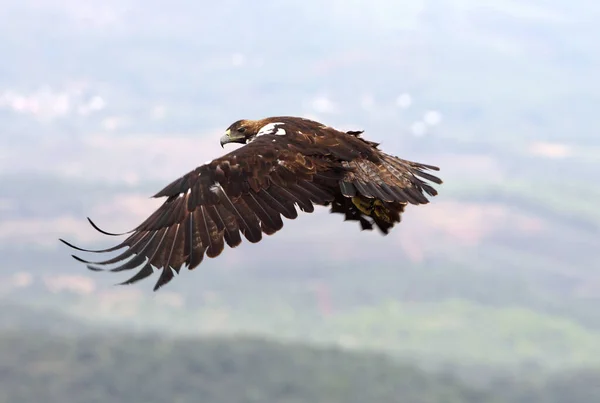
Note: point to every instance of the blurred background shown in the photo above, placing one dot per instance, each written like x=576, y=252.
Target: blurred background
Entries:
x=488, y=294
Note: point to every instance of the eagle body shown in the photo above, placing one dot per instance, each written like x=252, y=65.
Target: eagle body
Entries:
x=286, y=163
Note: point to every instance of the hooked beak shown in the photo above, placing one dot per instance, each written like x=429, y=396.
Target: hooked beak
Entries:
x=224, y=139
x=228, y=138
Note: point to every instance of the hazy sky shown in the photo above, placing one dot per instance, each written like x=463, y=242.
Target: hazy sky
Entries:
x=126, y=96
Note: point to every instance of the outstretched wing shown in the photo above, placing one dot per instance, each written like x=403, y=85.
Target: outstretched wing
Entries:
x=245, y=192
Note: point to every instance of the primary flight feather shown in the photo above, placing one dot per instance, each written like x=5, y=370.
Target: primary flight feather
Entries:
x=286, y=162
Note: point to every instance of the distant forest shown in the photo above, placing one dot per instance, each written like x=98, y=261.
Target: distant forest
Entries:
x=120, y=368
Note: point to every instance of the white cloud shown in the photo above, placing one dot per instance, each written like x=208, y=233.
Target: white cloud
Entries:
x=46, y=103
x=97, y=103
x=77, y=284
x=323, y=104
x=238, y=59
x=21, y=279
x=418, y=128
x=113, y=123
x=432, y=118
x=550, y=150
x=404, y=101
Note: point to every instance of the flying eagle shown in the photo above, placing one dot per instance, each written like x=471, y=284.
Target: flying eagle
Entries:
x=286, y=162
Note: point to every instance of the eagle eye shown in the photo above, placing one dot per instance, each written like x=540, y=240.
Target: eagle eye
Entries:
x=241, y=129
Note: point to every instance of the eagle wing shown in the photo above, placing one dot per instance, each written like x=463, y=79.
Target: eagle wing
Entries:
x=245, y=192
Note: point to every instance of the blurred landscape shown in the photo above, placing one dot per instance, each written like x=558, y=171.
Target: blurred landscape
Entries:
x=488, y=294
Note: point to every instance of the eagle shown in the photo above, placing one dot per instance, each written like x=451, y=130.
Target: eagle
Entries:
x=286, y=163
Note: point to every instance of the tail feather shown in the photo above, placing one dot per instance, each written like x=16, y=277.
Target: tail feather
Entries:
x=391, y=180
x=376, y=193
x=411, y=176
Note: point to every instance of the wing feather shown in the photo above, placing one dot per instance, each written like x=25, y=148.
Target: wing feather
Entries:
x=282, y=205
x=232, y=229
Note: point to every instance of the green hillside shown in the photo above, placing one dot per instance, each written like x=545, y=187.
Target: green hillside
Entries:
x=450, y=331
x=126, y=368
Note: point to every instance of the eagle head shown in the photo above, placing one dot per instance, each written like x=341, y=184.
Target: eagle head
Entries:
x=244, y=130
x=239, y=132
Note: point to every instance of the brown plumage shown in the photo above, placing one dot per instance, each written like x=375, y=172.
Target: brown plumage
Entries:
x=285, y=162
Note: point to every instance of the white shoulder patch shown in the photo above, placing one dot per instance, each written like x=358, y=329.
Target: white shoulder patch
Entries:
x=215, y=187
x=270, y=129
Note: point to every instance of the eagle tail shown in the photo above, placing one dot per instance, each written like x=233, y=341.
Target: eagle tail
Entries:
x=376, y=193
x=410, y=178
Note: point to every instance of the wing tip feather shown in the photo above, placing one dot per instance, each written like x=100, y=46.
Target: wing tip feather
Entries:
x=105, y=232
